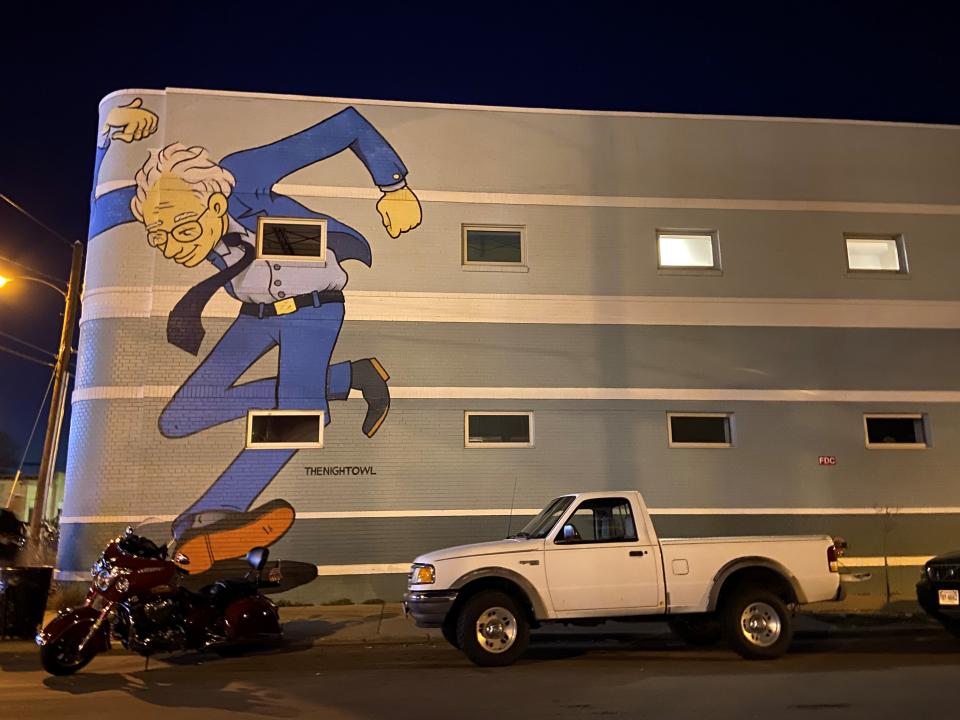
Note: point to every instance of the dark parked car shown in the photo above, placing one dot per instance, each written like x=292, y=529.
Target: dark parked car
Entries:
x=12, y=536
x=938, y=591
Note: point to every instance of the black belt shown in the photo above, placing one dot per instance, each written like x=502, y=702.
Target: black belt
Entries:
x=291, y=304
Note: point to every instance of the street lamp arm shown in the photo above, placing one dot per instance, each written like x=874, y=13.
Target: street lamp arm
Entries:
x=42, y=282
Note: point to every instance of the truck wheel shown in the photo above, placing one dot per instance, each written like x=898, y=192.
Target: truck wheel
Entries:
x=699, y=632
x=492, y=629
x=757, y=624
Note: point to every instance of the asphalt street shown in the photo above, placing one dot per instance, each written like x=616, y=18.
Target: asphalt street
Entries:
x=879, y=673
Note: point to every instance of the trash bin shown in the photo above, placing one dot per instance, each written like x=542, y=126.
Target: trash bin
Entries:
x=23, y=600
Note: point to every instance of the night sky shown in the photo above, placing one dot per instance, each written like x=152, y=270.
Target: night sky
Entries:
x=871, y=61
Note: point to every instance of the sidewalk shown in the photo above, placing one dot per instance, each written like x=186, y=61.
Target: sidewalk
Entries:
x=385, y=624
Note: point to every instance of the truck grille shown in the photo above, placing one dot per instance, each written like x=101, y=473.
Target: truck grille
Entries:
x=944, y=572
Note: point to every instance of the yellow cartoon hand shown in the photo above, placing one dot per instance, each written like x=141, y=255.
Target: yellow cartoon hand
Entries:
x=132, y=122
x=400, y=211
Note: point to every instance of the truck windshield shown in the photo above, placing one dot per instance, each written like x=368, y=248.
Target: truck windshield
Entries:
x=543, y=523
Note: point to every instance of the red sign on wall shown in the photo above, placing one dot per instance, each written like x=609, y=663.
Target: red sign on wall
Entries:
x=828, y=460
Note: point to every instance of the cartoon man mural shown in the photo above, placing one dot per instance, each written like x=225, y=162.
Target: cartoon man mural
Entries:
x=195, y=209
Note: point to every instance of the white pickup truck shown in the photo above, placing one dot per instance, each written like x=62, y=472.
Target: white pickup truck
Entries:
x=589, y=557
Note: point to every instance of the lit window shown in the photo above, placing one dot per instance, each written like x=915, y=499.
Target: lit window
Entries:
x=699, y=430
x=493, y=246
x=881, y=253
x=269, y=429
x=896, y=432
x=292, y=238
x=498, y=429
x=688, y=250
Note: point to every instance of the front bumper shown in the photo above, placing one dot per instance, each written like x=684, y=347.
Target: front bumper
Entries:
x=929, y=599
x=429, y=608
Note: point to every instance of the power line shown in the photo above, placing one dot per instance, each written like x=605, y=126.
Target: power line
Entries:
x=33, y=270
x=36, y=220
x=5, y=349
x=29, y=345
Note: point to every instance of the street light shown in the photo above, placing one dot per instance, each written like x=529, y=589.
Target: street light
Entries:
x=71, y=298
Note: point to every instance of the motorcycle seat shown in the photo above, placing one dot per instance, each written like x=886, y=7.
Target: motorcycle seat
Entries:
x=223, y=592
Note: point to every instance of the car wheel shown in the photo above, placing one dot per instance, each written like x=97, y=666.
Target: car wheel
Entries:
x=757, y=624
x=700, y=632
x=492, y=629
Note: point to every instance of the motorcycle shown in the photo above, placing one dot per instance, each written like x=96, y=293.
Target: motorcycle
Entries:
x=137, y=597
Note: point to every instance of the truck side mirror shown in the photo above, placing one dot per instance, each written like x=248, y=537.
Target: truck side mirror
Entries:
x=569, y=533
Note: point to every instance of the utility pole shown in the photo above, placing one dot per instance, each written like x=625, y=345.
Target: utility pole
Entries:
x=60, y=378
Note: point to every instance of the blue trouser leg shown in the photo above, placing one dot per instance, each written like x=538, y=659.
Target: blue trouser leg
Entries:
x=306, y=340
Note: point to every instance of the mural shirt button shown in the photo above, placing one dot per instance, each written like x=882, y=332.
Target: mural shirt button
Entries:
x=277, y=283
x=276, y=267
x=282, y=293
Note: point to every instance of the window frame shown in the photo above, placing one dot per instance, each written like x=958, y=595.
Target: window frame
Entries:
x=898, y=241
x=924, y=424
x=731, y=431
x=467, y=264
x=272, y=220
x=487, y=445
x=557, y=535
x=251, y=414
x=715, y=269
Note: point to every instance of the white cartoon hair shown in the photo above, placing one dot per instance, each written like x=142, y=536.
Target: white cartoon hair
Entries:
x=191, y=164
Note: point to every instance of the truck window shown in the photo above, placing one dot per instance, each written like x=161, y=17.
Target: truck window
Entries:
x=601, y=520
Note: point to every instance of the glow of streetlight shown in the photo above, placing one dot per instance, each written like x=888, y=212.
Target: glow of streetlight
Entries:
x=3, y=280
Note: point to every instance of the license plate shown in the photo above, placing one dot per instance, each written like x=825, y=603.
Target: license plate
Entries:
x=949, y=597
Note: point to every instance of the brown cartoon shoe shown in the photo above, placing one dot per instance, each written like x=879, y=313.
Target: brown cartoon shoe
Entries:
x=369, y=377
x=233, y=534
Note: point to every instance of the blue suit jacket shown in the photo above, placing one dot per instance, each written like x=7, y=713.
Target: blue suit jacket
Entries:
x=257, y=170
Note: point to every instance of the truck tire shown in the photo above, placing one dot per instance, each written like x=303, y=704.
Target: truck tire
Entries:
x=698, y=632
x=757, y=624
x=492, y=629
x=449, y=631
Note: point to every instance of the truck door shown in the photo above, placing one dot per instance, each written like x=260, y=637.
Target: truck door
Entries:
x=600, y=558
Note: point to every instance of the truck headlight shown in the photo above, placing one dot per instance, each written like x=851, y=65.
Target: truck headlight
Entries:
x=422, y=574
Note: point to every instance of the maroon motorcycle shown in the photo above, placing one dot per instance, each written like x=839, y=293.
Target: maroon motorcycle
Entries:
x=137, y=597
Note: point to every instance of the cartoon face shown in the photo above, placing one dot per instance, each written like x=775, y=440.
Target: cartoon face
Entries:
x=181, y=225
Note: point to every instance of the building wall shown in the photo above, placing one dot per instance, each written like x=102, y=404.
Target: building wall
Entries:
x=591, y=338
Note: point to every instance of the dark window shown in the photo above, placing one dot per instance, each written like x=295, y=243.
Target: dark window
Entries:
x=905, y=430
x=498, y=429
x=600, y=520
x=293, y=239
x=285, y=429
x=493, y=246
x=700, y=430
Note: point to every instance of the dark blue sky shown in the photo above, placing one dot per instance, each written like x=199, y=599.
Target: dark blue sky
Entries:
x=840, y=60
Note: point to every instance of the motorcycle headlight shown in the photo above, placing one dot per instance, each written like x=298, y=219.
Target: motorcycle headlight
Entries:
x=422, y=574
x=102, y=580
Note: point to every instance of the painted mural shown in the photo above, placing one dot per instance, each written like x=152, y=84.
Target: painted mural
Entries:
x=194, y=210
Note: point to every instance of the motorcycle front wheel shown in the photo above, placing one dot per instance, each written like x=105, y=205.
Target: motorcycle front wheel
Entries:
x=61, y=657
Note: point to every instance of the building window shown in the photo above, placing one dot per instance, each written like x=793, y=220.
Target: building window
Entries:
x=494, y=247
x=875, y=253
x=688, y=251
x=284, y=239
x=896, y=432
x=602, y=520
x=498, y=429
x=700, y=430
x=269, y=429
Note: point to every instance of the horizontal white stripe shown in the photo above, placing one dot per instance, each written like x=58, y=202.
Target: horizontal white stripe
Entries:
x=495, y=512
x=384, y=306
x=603, y=201
x=521, y=110
x=404, y=568
x=139, y=392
